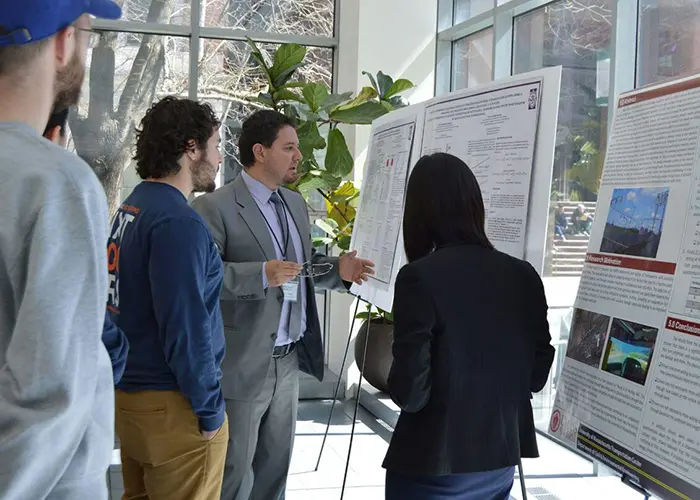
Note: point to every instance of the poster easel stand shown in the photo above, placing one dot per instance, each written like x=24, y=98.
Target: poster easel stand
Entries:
x=627, y=481
x=357, y=401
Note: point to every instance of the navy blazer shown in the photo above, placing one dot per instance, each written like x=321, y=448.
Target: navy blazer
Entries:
x=471, y=343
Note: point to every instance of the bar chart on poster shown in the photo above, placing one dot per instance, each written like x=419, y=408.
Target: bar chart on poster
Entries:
x=629, y=392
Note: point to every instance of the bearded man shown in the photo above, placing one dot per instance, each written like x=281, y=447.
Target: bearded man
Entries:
x=165, y=277
x=56, y=389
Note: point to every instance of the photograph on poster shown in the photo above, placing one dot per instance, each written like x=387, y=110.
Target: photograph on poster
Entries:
x=635, y=221
x=587, y=337
x=629, y=349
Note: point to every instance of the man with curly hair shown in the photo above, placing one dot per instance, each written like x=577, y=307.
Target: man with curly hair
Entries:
x=165, y=277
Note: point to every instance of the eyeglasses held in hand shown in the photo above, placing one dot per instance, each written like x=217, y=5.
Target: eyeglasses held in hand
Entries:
x=309, y=270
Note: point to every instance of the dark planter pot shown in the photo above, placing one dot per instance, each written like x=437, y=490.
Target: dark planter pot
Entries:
x=379, y=357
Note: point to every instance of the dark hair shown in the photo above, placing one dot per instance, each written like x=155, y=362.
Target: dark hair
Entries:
x=261, y=127
x=57, y=119
x=166, y=133
x=443, y=207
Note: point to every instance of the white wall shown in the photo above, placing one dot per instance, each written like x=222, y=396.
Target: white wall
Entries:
x=398, y=38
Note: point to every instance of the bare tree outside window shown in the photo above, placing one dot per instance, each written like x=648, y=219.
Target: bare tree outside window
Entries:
x=127, y=72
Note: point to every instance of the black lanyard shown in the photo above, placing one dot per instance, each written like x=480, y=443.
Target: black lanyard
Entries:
x=283, y=251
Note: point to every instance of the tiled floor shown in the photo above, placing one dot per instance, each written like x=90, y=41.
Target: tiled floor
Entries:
x=365, y=479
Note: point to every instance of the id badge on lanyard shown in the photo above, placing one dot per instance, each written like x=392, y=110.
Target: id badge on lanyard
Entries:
x=291, y=290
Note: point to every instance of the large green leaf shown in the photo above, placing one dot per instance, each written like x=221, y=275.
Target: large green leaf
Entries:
x=309, y=139
x=284, y=77
x=338, y=158
x=287, y=56
x=310, y=182
x=344, y=242
x=400, y=85
x=286, y=95
x=321, y=241
x=364, y=114
x=262, y=58
x=290, y=111
x=385, y=82
x=293, y=85
x=335, y=100
x=264, y=99
x=315, y=95
x=329, y=226
x=372, y=81
x=366, y=94
x=341, y=210
x=397, y=102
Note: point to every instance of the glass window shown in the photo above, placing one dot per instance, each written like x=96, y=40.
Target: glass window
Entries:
x=466, y=9
x=472, y=60
x=577, y=37
x=158, y=11
x=668, y=39
x=229, y=78
x=297, y=17
x=125, y=74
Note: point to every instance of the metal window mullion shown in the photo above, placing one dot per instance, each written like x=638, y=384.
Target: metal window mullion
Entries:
x=502, y=44
x=195, y=21
x=144, y=28
x=265, y=37
x=623, y=51
x=469, y=27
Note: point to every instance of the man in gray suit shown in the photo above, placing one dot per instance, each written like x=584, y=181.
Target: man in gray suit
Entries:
x=268, y=305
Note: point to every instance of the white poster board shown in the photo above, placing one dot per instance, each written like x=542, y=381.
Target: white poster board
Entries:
x=493, y=130
x=518, y=167
x=629, y=392
x=394, y=149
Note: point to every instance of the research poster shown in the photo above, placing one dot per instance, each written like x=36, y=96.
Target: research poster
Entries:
x=493, y=131
x=378, y=223
x=629, y=392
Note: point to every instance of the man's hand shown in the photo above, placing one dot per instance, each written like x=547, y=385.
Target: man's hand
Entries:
x=279, y=272
x=353, y=269
x=209, y=435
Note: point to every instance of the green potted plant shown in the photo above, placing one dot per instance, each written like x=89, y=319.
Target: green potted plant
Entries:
x=327, y=162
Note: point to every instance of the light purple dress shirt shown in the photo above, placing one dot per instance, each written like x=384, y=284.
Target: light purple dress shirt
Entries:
x=261, y=194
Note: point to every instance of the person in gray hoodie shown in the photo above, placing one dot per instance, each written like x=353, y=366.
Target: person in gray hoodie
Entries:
x=56, y=393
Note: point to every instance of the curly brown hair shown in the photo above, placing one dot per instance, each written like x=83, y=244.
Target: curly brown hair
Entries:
x=167, y=131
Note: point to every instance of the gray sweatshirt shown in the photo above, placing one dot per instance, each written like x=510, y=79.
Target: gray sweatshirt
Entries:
x=56, y=392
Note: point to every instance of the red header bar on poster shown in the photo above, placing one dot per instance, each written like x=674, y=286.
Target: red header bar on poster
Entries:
x=652, y=266
x=683, y=326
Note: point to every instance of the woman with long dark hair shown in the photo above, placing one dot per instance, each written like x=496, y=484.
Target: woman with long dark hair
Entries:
x=471, y=344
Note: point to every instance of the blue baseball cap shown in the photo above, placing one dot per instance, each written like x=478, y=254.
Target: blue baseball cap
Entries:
x=33, y=20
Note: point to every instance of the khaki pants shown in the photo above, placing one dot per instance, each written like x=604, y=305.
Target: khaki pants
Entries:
x=164, y=456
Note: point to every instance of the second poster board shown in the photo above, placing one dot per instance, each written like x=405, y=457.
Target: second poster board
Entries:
x=629, y=390
x=504, y=131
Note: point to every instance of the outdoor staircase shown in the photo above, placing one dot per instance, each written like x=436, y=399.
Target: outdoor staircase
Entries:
x=568, y=256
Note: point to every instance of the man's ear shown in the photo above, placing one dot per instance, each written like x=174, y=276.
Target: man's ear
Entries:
x=259, y=152
x=54, y=135
x=65, y=43
x=192, y=150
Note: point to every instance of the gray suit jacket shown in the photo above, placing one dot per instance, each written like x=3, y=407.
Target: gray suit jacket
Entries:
x=251, y=314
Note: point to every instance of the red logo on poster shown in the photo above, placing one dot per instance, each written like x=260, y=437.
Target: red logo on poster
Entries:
x=555, y=422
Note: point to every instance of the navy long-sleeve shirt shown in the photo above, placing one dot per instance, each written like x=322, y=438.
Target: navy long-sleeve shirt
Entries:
x=117, y=346
x=165, y=279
